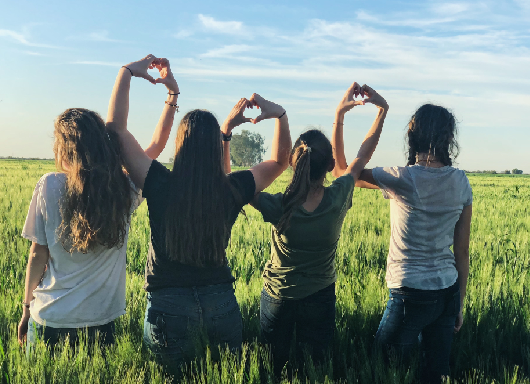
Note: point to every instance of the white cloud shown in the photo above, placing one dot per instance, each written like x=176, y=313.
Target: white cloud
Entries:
x=23, y=39
x=227, y=27
x=15, y=36
x=450, y=8
x=227, y=50
x=183, y=34
x=103, y=63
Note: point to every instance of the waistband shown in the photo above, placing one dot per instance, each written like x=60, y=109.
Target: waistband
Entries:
x=191, y=291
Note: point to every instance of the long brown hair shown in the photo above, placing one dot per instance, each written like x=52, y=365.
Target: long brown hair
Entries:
x=432, y=129
x=200, y=194
x=97, y=198
x=311, y=157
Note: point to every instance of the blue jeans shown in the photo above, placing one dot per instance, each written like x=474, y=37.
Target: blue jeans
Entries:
x=181, y=322
x=52, y=336
x=314, y=317
x=427, y=317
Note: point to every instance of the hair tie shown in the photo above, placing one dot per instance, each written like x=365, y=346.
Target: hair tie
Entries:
x=308, y=149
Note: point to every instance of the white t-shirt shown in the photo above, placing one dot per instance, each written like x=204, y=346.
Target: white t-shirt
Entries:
x=425, y=206
x=78, y=290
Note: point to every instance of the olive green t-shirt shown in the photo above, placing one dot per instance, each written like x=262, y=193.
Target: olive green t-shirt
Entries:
x=303, y=258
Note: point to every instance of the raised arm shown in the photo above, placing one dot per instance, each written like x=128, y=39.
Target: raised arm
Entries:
x=137, y=161
x=37, y=261
x=337, y=136
x=372, y=137
x=461, y=251
x=234, y=119
x=266, y=172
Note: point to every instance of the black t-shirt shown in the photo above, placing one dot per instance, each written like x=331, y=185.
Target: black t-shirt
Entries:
x=161, y=271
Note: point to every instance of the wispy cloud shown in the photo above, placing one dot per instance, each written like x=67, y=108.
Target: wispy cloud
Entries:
x=98, y=36
x=182, y=34
x=95, y=62
x=226, y=27
x=227, y=50
x=23, y=39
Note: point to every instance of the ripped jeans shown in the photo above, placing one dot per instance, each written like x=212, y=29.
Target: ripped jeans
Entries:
x=427, y=317
x=181, y=322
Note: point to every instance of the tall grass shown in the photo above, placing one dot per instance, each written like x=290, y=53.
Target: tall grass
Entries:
x=493, y=345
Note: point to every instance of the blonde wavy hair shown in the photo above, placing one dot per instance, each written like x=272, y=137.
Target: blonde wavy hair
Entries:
x=97, y=198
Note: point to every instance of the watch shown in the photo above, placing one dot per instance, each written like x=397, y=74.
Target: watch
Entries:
x=226, y=137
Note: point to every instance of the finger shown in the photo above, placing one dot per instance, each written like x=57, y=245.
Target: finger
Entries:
x=247, y=120
x=258, y=119
x=351, y=90
x=149, y=78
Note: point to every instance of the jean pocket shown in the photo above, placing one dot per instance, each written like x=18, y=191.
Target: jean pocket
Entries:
x=168, y=332
x=419, y=312
x=228, y=327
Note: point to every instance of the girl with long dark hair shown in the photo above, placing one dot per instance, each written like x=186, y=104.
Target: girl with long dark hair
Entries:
x=192, y=209
x=430, y=211
x=299, y=279
x=78, y=222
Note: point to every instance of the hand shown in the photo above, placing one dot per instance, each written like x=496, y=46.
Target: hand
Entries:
x=139, y=68
x=269, y=110
x=23, y=329
x=166, y=76
x=236, y=117
x=459, y=321
x=348, y=102
x=373, y=97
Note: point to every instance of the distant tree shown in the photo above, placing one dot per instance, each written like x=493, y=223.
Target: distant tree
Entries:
x=507, y=172
x=246, y=149
x=516, y=171
x=171, y=160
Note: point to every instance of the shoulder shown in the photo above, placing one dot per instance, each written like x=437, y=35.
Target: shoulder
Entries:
x=395, y=172
x=51, y=181
x=157, y=174
x=244, y=182
x=241, y=177
x=345, y=182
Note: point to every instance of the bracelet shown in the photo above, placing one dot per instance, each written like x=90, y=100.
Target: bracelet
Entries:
x=226, y=137
x=26, y=305
x=172, y=105
x=173, y=94
x=128, y=69
x=284, y=112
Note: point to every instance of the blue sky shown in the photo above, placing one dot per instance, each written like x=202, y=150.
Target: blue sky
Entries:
x=472, y=57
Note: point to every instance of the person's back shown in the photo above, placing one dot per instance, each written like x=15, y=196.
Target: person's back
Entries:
x=78, y=289
x=303, y=257
x=425, y=205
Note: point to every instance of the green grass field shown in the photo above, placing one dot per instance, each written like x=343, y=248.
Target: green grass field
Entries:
x=493, y=345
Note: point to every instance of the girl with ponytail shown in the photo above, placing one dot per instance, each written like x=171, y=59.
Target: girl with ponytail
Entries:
x=78, y=223
x=299, y=279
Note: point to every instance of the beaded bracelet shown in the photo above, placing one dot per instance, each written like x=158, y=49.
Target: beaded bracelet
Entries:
x=172, y=105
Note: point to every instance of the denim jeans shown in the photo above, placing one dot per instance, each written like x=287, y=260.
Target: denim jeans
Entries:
x=314, y=317
x=52, y=336
x=415, y=316
x=181, y=322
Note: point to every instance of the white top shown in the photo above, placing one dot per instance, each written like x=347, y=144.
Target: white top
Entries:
x=78, y=290
x=425, y=206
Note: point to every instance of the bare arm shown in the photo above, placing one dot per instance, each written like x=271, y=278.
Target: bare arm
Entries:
x=337, y=135
x=234, y=119
x=372, y=137
x=137, y=161
x=37, y=261
x=266, y=172
x=461, y=251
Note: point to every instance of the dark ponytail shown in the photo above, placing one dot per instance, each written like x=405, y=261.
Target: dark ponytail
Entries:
x=310, y=158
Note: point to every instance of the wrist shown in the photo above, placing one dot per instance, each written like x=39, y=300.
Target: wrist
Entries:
x=226, y=129
x=339, y=115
